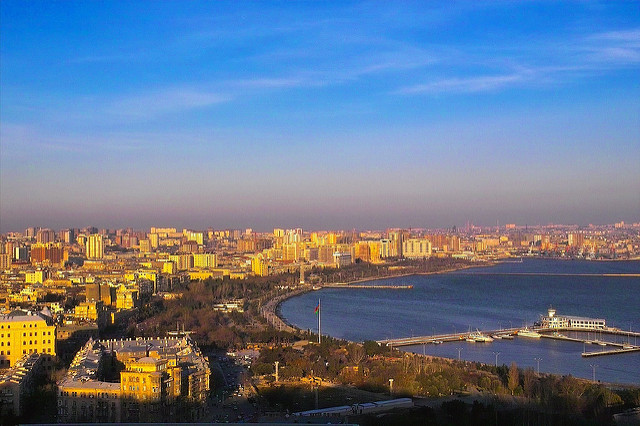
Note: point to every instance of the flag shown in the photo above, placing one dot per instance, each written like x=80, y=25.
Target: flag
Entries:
x=317, y=310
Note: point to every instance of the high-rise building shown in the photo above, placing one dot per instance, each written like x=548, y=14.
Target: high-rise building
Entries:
x=5, y=261
x=44, y=236
x=94, y=247
x=575, y=239
x=154, y=239
x=53, y=253
x=416, y=248
x=205, y=260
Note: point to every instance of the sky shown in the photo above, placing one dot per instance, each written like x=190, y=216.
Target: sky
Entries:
x=325, y=115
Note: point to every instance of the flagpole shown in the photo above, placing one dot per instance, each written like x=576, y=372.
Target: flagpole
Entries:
x=319, y=314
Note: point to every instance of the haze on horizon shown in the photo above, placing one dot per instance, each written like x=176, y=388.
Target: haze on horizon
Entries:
x=318, y=114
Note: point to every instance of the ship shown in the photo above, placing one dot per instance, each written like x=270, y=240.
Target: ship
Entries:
x=525, y=332
x=477, y=336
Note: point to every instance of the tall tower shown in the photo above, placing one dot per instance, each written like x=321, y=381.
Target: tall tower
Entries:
x=94, y=247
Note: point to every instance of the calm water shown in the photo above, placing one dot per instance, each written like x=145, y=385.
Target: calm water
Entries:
x=485, y=299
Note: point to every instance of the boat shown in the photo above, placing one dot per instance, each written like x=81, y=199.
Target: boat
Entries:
x=477, y=336
x=525, y=332
x=496, y=336
x=602, y=343
x=507, y=336
x=316, y=287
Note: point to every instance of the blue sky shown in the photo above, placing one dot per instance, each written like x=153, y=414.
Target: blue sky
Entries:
x=318, y=114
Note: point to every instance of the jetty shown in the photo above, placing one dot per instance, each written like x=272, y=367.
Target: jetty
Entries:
x=608, y=348
x=387, y=287
x=622, y=350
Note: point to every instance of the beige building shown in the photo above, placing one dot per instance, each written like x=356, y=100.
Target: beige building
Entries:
x=416, y=248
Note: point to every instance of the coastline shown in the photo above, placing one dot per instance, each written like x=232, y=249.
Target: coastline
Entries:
x=272, y=313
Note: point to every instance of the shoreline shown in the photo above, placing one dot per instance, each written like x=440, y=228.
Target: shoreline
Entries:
x=275, y=310
x=400, y=275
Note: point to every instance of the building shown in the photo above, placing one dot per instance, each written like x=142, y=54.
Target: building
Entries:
x=94, y=247
x=260, y=265
x=567, y=321
x=17, y=382
x=126, y=298
x=44, y=236
x=205, y=260
x=23, y=333
x=416, y=248
x=575, y=239
x=100, y=291
x=159, y=375
x=341, y=259
x=5, y=261
x=52, y=253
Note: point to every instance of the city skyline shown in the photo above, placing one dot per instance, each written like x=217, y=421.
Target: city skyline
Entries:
x=324, y=116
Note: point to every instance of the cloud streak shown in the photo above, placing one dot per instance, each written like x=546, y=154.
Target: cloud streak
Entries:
x=463, y=85
x=165, y=101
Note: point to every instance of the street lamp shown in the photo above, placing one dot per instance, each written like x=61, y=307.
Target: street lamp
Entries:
x=390, y=386
x=459, y=349
x=538, y=360
x=593, y=367
x=496, y=354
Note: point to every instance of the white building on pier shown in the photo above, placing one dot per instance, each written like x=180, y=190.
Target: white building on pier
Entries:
x=568, y=321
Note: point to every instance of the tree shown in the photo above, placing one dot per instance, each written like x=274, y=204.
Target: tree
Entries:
x=514, y=377
x=356, y=353
x=530, y=380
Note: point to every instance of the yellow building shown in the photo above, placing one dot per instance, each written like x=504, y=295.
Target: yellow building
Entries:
x=23, y=333
x=94, y=247
x=149, y=379
x=34, y=277
x=205, y=260
x=126, y=298
x=89, y=311
x=159, y=374
x=169, y=267
x=259, y=265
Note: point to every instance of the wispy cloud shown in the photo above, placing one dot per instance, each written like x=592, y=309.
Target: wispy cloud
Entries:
x=164, y=101
x=464, y=85
x=614, y=48
x=272, y=83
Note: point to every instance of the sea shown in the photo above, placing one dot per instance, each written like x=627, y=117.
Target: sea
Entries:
x=505, y=295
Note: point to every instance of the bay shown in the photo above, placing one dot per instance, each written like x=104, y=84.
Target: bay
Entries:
x=490, y=298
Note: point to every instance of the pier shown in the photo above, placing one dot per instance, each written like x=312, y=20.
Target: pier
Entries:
x=388, y=287
x=611, y=352
x=441, y=338
x=546, y=333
